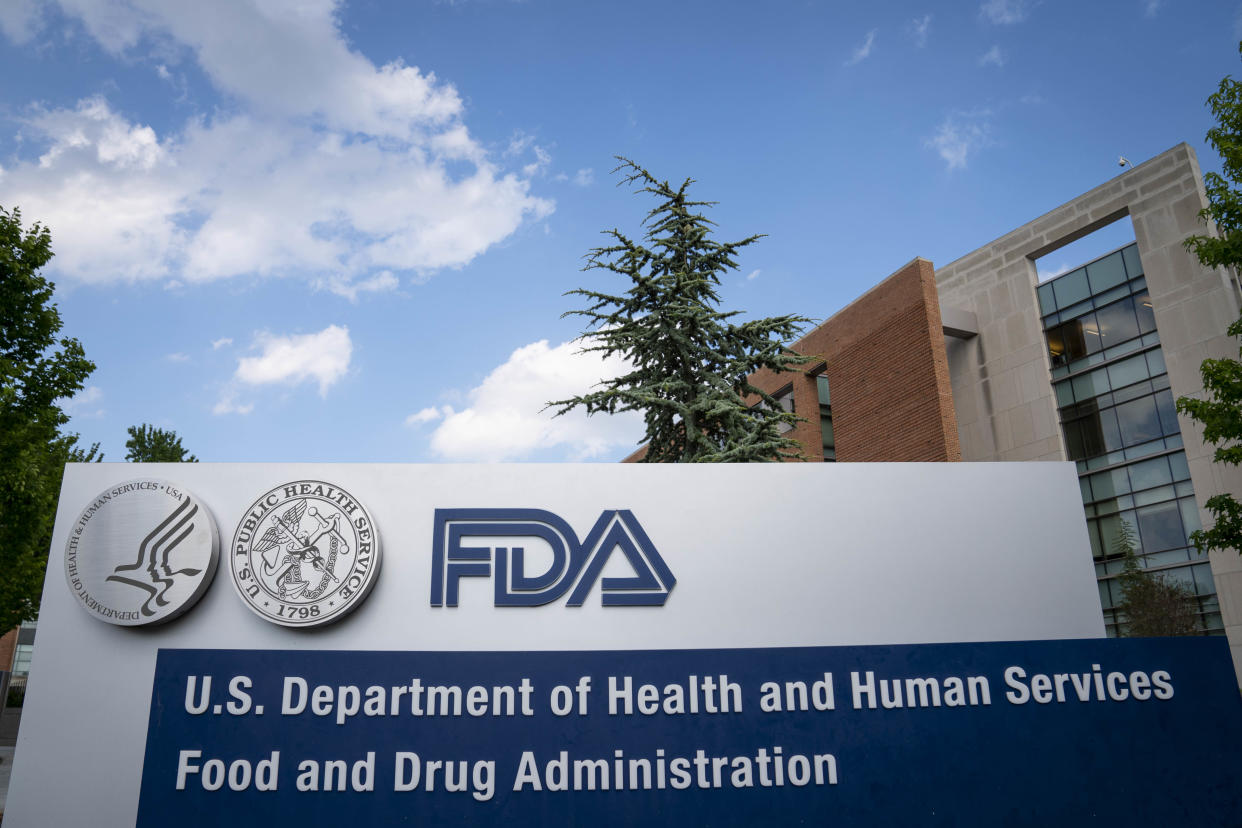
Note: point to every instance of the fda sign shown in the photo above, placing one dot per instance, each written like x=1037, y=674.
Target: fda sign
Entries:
x=494, y=543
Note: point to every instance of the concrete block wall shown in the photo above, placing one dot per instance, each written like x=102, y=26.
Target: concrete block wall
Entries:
x=1001, y=382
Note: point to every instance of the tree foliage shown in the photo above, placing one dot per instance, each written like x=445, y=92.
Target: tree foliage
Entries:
x=1153, y=605
x=37, y=369
x=689, y=362
x=1220, y=411
x=148, y=444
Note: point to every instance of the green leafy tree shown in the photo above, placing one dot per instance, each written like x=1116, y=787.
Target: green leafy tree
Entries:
x=1220, y=410
x=1153, y=605
x=37, y=369
x=689, y=361
x=148, y=444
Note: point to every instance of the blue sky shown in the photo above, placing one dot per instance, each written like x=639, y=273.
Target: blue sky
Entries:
x=328, y=231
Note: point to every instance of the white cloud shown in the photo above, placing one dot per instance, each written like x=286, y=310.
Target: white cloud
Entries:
x=228, y=404
x=177, y=357
x=319, y=357
x=864, y=51
x=992, y=57
x=1151, y=8
x=19, y=19
x=84, y=404
x=322, y=163
x=381, y=282
x=754, y=274
x=1053, y=271
x=505, y=418
x=519, y=143
x=1005, y=12
x=584, y=177
x=919, y=29
x=960, y=136
x=217, y=344
x=427, y=415
x=542, y=159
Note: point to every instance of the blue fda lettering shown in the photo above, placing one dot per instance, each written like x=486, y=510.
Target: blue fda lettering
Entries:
x=466, y=544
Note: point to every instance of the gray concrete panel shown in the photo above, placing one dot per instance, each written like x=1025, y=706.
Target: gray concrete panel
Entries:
x=1002, y=386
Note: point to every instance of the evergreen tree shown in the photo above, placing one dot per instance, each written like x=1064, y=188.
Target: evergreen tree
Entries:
x=37, y=369
x=148, y=444
x=1153, y=605
x=1220, y=412
x=689, y=362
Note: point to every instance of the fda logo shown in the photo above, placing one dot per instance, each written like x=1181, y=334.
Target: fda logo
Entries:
x=502, y=543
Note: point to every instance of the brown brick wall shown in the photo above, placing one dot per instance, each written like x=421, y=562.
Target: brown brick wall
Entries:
x=8, y=646
x=888, y=375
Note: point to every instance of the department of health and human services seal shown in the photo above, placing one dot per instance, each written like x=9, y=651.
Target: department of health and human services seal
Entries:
x=306, y=553
x=142, y=552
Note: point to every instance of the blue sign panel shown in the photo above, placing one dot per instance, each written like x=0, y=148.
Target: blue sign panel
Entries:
x=1027, y=733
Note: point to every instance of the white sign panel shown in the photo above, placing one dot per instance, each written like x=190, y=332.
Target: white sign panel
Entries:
x=522, y=558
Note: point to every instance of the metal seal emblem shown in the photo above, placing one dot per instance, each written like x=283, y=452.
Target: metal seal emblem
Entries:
x=305, y=554
x=143, y=552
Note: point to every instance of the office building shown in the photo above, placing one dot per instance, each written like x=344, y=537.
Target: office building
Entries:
x=979, y=361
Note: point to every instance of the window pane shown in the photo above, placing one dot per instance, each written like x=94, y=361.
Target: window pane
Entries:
x=1066, y=342
x=825, y=432
x=1168, y=413
x=1117, y=322
x=1107, y=272
x=1155, y=362
x=1092, y=384
x=1110, y=434
x=1204, y=584
x=1150, y=473
x=21, y=659
x=1139, y=421
x=1161, y=527
x=1109, y=528
x=1109, y=484
x=1190, y=514
x=1133, y=266
x=1091, y=341
x=1181, y=470
x=1071, y=288
x=1128, y=371
x=1093, y=534
x=1073, y=439
x=821, y=385
x=1047, y=304
x=1142, y=306
x=1065, y=394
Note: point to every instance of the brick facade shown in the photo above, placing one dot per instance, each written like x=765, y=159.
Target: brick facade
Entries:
x=884, y=356
x=8, y=646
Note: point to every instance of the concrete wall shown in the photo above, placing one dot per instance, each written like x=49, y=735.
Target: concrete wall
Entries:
x=1002, y=387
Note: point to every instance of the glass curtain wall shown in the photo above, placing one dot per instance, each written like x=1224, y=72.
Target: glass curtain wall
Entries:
x=1120, y=426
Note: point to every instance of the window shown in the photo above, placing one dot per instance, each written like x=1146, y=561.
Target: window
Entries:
x=785, y=399
x=825, y=419
x=21, y=659
x=1120, y=426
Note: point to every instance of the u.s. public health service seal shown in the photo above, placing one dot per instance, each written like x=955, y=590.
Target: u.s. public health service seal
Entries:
x=142, y=552
x=306, y=553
